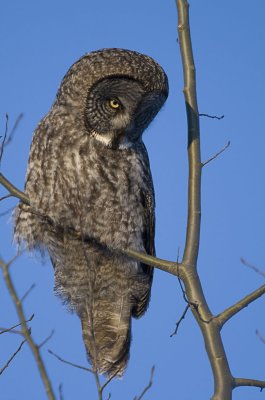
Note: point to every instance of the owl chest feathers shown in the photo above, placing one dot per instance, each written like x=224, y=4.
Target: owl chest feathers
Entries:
x=105, y=192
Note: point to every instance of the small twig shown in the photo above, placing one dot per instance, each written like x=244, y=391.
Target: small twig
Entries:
x=11, y=358
x=10, y=262
x=61, y=391
x=179, y=321
x=109, y=380
x=148, y=386
x=4, y=139
x=28, y=292
x=217, y=154
x=13, y=130
x=262, y=338
x=182, y=287
x=3, y=330
x=211, y=116
x=47, y=339
x=15, y=331
x=5, y=197
x=70, y=363
x=251, y=266
x=7, y=211
x=180, y=281
x=99, y=388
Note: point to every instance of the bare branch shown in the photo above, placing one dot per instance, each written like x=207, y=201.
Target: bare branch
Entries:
x=217, y=154
x=148, y=386
x=70, y=363
x=61, y=391
x=14, y=128
x=179, y=321
x=11, y=358
x=4, y=330
x=15, y=331
x=249, y=382
x=223, y=317
x=251, y=266
x=164, y=265
x=4, y=139
x=25, y=329
x=8, y=210
x=260, y=336
x=109, y=380
x=194, y=152
x=211, y=116
x=100, y=388
x=28, y=292
x=5, y=197
x=47, y=339
x=210, y=330
x=13, y=190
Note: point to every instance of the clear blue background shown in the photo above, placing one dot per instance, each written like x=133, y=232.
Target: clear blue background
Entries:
x=39, y=41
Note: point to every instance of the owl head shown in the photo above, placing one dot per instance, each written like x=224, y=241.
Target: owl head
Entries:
x=115, y=93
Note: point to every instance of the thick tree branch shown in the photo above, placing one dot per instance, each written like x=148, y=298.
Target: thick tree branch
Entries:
x=171, y=267
x=210, y=330
x=210, y=327
x=194, y=152
x=25, y=330
x=13, y=190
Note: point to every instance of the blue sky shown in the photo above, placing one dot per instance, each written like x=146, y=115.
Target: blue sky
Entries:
x=39, y=41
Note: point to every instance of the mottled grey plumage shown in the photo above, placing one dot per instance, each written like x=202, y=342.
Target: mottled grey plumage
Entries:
x=91, y=192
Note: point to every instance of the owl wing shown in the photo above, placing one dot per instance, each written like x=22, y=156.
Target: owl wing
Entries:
x=149, y=244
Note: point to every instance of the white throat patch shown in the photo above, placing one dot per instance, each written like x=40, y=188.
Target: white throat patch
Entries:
x=103, y=138
x=107, y=139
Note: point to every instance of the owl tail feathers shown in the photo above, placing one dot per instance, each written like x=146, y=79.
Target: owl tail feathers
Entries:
x=107, y=343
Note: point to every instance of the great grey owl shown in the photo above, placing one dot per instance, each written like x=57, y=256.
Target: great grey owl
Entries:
x=91, y=195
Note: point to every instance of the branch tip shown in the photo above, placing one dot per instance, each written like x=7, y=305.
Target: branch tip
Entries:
x=216, y=154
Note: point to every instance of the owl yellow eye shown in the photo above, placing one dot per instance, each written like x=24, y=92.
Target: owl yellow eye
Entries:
x=114, y=103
